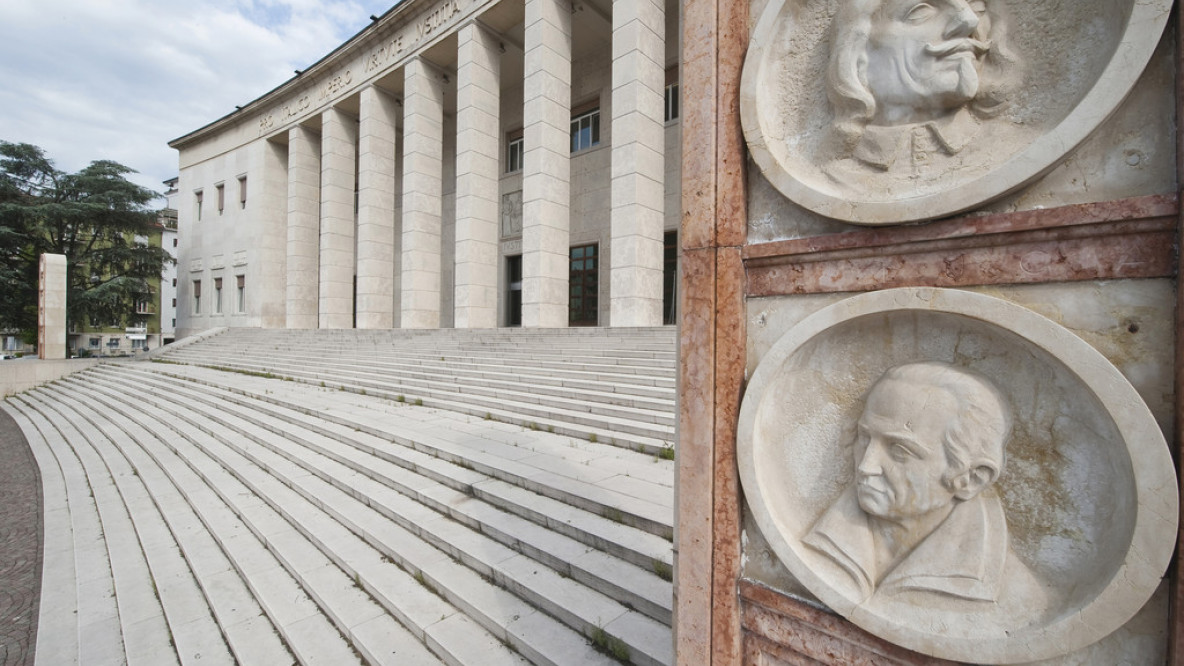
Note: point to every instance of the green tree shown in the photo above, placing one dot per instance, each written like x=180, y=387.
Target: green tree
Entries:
x=96, y=217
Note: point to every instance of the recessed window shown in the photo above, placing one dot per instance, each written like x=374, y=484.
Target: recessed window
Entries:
x=217, y=295
x=672, y=102
x=242, y=191
x=197, y=199
x=514, y=152
x=241, y=304
x=221, y=197
x=197, y=297
x=585, y=130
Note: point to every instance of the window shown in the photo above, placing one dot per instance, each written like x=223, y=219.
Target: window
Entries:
x=174, y=282
x=217, y=295
x=139, y=344
x=197, y=197
x=584, y=287
x=671, y=102
x=174, y=302
x=112, y=343
x=242, y=191
x=197, y=297
x=585, y=130
x=669, y=277
x=95, y=343
x=514, y=152
x=221, y=197
x=143, y=306
x=241, y=301
x=174, y=322
x=174, y=243
x=514, y=290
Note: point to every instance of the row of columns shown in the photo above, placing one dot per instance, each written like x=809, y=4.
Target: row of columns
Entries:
x=321, y=263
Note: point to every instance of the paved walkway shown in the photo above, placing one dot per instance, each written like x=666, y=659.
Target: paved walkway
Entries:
x=20, y=546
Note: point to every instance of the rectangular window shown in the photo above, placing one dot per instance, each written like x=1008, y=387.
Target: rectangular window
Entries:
x=221, y=197
x=174, y=282
x=241, y=304
x=585, y=130
x=514, y=290
x=669, y=277
x=671, y=102
x=113, y=343
x=174, y=242
x=143, y=306
x=242, y=191
x=217, y=295
x=584, y=286
x=174, y=302
x=514, y=152
x=95, y=343
x=197, y=297
x=197, y=198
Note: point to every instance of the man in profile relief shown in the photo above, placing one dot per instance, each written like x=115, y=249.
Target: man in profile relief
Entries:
x=921, y=523
x=910, y=82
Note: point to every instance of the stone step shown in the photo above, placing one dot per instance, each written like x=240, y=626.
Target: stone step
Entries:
x=633, y=583
x=469, y=591
x=173, y=535
x=520, y=389
x=318, y=608
x=635, y=489
x=649, y=437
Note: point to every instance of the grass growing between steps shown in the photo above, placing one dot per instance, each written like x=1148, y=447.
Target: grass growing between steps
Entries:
x=610, y=645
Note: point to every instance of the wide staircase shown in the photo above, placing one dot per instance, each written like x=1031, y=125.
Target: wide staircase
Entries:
x=337, y=497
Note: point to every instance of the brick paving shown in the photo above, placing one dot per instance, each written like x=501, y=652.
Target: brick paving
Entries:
x=20, y=546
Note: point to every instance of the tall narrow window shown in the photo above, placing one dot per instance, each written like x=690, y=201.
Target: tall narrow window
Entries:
x=514, y=290
x=671, y=102
x=197, y=297
x=217, y=295
x=241, y=293
x=585, y=130
x=584, y=286
x=242, y=191
x=221, y=197
x=197, y=197
x=669, y=277
x=514, y=151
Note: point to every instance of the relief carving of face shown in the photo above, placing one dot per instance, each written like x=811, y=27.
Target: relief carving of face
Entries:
x=923, y=57
x=901, y=463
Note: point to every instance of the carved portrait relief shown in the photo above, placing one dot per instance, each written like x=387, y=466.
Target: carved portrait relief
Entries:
x=957, y=475
x=884, y=111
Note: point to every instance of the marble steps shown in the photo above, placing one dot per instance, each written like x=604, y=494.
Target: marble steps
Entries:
x=609, y=368
x=339, y=604
x=579, y=419
x=119, y=580
x=606, y=397
x=627, y=338
x=479, y=575
x=635, y=489
x=594, y=550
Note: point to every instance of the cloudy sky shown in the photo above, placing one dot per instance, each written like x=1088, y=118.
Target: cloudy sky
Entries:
x=119, y=79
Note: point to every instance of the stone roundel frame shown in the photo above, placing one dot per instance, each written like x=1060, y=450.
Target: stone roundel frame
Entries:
x=778, y=472
x=789, y=162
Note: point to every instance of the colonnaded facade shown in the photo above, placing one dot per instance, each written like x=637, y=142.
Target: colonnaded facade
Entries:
x=457, y=163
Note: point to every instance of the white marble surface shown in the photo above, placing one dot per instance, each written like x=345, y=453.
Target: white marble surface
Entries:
x=881, y=145
x=1087, y=489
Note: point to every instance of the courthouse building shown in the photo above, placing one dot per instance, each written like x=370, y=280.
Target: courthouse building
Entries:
x=457, y=163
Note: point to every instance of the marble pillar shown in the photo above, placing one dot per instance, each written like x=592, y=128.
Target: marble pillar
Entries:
x=339, y=136
x=51, y=307
x=423, y=157
x=267, y=203
x=376, y=209
x=304, y=200
x=546, y=174
x=477, y=94
x=638, y=162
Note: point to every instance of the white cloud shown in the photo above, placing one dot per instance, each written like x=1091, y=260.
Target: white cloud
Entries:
x=118, y=79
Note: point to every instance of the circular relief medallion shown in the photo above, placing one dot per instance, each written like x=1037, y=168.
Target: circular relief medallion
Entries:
x=958, y=475
x=888, y=111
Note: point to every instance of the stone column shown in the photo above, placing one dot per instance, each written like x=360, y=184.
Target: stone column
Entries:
x=267, y=203
x=638, y=162
x=546, y=174
x=376, y=209
x=304, y=201
x=478, y=84
x=423, y=158
x=51, y=307
x=339, y=136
